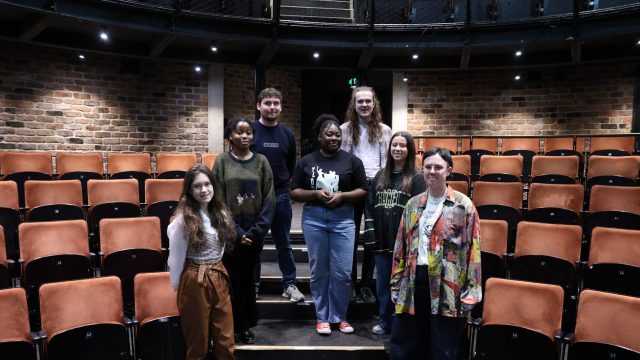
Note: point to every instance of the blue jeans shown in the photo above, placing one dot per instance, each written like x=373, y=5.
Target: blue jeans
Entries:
x=383, y=289
x=329, y=234
x=280, y=229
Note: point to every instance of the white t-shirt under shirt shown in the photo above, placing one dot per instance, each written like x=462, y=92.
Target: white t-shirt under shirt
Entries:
x=369, y=153
x=427, y=220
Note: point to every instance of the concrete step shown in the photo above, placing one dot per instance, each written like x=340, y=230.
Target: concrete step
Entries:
x=315, y=12
x=275, y=306
x=327, y=4
x=297, y=339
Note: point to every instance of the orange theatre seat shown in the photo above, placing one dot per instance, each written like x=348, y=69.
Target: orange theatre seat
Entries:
x=157, y=318
x=500, y=201
x=129, y=246
x=493, y=248
x=566, y=146
x=612, y=145
x=479, y=147
x=520, y=320
x=53, y=200
x=614, y=171
x=15, y=337
x=4, y=263
x=555, y=169
x=10, y=217
x=130, y=166
x=208, y=159
x=449, y=143
x=83, y=319
x=549, y=253
x=174, y=165
x=606, y=328
x=23, y=166
x=614, y=261
x=614, y=207
x=162, y=199
x=79, y=166
x=460, y=177
x=501, y=168
x=110, y=199
x=555, y=203
x=527, y=147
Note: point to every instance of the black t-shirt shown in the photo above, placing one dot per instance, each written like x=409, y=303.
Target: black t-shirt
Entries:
x=342, y=172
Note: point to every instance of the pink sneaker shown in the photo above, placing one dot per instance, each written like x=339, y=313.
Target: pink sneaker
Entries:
x=323, y=328
x=346, y=328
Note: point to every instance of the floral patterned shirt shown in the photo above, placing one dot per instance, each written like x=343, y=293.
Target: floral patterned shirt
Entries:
x=454, y=257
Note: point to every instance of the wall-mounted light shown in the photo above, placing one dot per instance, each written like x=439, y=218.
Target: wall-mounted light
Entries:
x=104, y=36
x=405, y=77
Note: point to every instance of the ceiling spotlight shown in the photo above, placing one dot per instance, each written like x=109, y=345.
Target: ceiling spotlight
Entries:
x=81, y=57
x=214, y=48
x=405, y=78
x=415, y=56
x=517, y=77
x=104, y=36
x=197, y=68
x=316, y=55
x=638, y=43
x=518, y=53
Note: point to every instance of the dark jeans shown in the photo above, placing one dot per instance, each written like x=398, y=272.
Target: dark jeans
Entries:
x=384, y=260
x=425, y=336
x=367, y=261
x=280, y=229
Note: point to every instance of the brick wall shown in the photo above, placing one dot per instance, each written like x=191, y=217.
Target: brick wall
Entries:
x=567, y=100
x=50, y=100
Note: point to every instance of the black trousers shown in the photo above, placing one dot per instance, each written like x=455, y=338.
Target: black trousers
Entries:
x=368, y=263
x=424, y=336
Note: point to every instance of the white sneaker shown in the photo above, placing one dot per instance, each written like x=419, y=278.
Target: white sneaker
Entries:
x=293, y=294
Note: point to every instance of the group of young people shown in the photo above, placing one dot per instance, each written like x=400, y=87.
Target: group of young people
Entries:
x=422, y=235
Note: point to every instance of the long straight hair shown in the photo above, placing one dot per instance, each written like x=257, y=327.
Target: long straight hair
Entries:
x=374, y=130
x=408, y=170
x=219, y=213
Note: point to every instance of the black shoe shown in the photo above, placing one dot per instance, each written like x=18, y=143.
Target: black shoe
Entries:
x=247, y=337
x=367, y=295
x=353, y=296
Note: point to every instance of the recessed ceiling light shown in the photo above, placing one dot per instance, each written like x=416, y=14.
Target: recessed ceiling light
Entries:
x=415, y=56
x=518, y=53
x=405, y=78
x=214, y=48
x=197, y=68
x=104, y=36
x=638, y=43
x=81, y=57
x=517, y=77
x=316, y=55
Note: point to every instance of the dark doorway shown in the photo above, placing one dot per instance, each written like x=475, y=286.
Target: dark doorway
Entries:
x=328, y=91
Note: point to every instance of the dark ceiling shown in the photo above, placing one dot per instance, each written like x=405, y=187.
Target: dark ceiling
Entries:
x=143, y=30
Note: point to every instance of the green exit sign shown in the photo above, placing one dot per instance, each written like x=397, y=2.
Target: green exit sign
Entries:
x=353, y=82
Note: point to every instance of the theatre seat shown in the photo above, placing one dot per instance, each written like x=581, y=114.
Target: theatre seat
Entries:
x=520, y=320
x=162, y=199
x=15, y=337
x=53, y=200
x=159, y=330
x=83, y=319
x=174, y=165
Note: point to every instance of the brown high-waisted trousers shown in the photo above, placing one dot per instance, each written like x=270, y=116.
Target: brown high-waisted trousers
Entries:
x=205, y=310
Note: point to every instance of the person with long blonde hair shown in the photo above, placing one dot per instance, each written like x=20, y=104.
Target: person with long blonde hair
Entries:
x=365, y=136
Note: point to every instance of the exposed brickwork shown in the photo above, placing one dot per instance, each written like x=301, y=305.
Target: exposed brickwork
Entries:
x=52, y=101
x=567, y=100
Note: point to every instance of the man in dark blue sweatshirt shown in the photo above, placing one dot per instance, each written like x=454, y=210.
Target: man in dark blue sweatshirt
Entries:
x=277, y=142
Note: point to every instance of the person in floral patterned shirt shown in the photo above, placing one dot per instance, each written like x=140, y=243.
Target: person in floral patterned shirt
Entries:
x=436, y=275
